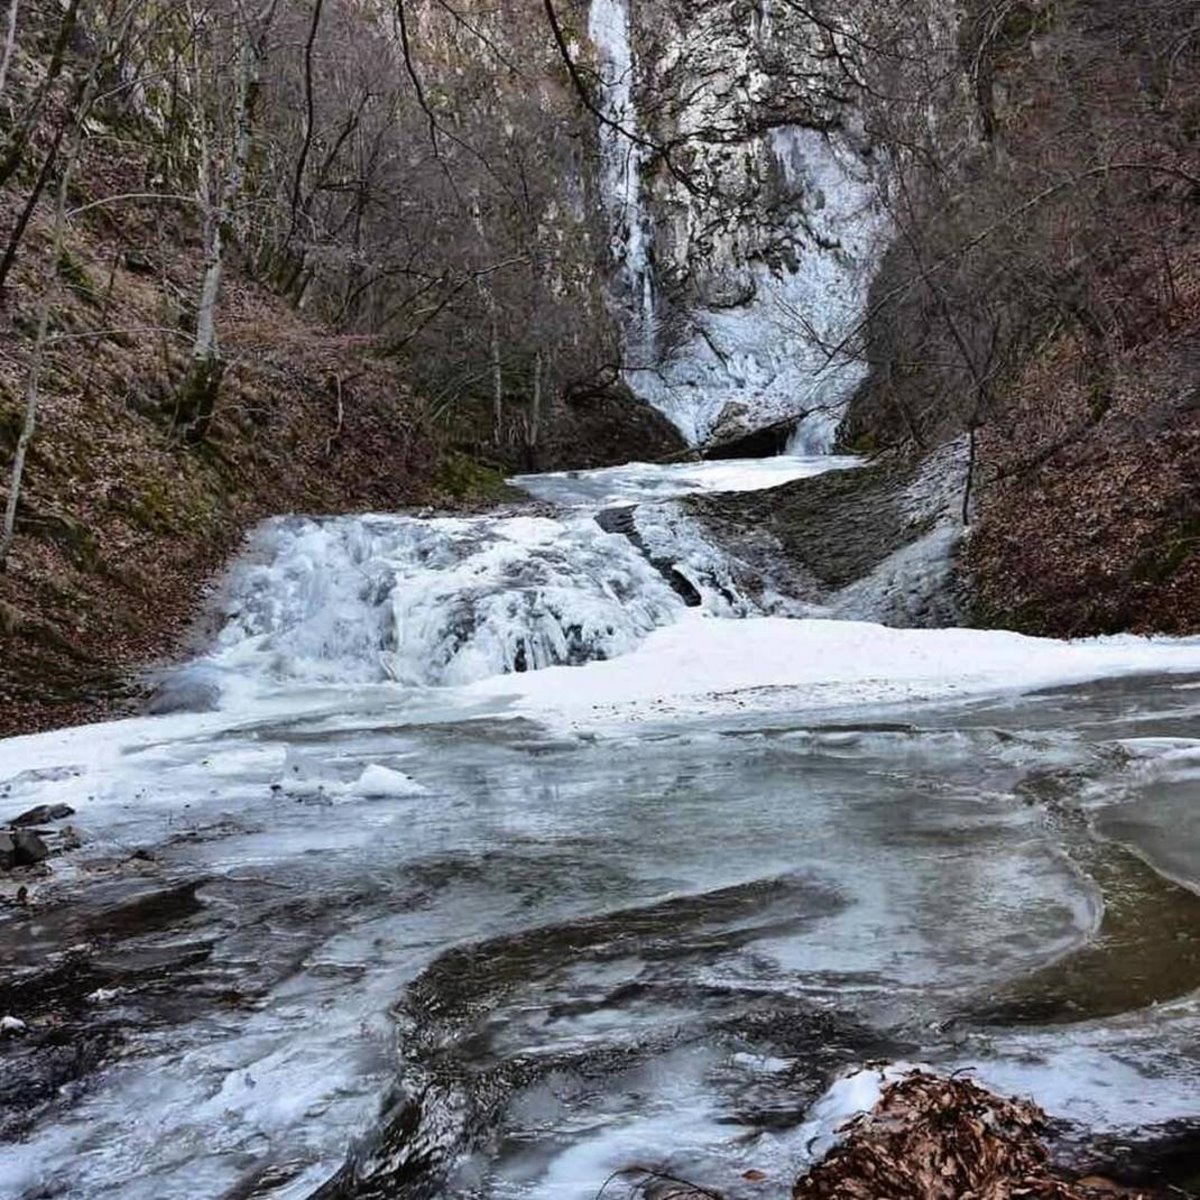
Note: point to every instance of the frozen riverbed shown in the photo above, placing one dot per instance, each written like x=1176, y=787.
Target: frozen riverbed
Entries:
x=635, y=483
x=363, y=927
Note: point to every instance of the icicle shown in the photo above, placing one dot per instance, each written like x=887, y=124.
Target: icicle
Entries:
x=621, y=163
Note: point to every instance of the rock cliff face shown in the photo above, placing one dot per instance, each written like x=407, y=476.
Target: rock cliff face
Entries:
x=730, y=205
x=743, y=193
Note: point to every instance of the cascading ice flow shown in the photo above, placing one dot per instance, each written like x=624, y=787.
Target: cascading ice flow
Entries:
x=443, y=601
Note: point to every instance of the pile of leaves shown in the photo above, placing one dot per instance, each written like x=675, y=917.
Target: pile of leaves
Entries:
x=931, y=1138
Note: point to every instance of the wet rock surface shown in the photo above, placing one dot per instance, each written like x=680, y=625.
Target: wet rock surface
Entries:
x=469, y=1075
x=575, y=1013
x=878, y=543
x=42, y=814
x=85, y=976
x=21, y=848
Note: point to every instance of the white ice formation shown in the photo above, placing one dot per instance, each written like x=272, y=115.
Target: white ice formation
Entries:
x=738, y=299
x=622, y=156
x=429, y=602
x=788, y=348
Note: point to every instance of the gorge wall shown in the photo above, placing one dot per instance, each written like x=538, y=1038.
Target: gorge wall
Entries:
x=742, y=190
x=907, y=224
x=1040, y=295
x=700, y=185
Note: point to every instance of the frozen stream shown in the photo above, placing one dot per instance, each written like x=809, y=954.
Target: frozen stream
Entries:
x=486, y=867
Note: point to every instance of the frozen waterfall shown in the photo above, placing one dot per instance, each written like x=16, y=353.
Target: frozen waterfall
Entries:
x=394, y=599
x=777, y=355
x=426, y=602
x=800, y=270
x=621, y=161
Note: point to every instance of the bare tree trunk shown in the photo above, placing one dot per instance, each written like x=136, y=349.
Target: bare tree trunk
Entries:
x=38, y=358
x=249, y=83
x=10, y=41
x=17, y=235
x=497, y=372
x=14, y=151
x=197, y=397
x=967, y=487
x=535, y=403
x=310, y=123
x=197, y=400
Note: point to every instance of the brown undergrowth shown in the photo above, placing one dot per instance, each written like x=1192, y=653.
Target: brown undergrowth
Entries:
x=1090, y=499
x=931, y=1138
x=927, y=1138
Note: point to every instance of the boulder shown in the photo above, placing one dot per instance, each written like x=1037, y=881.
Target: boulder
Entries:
x=42, y=814
x=21, y=848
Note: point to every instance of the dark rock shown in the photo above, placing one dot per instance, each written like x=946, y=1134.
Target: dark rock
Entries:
x=832, y=529
x=21, y=848
x=190, y=690
x=30, y=848
x=621, y=520
x=42, y=814
x=600, y=424
x=754, y=443
x=138, y=262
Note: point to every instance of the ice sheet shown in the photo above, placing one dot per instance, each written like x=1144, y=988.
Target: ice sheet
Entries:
x=633, y=483
x=702, y=665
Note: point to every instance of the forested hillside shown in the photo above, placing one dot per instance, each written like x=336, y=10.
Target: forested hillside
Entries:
x=1041, y=292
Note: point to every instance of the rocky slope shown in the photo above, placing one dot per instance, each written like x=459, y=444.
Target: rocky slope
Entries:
x=880, y=543
x=1042, y=292
x=1090, y=511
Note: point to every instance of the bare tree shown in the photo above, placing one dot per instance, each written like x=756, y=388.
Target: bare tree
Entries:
x=120, y=23
x=10, y=42
x=226, y=140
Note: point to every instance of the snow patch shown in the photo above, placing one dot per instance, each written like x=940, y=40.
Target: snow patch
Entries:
x=634, y=483
x=378, y=781
x=702, y=666
x=850, y=1095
